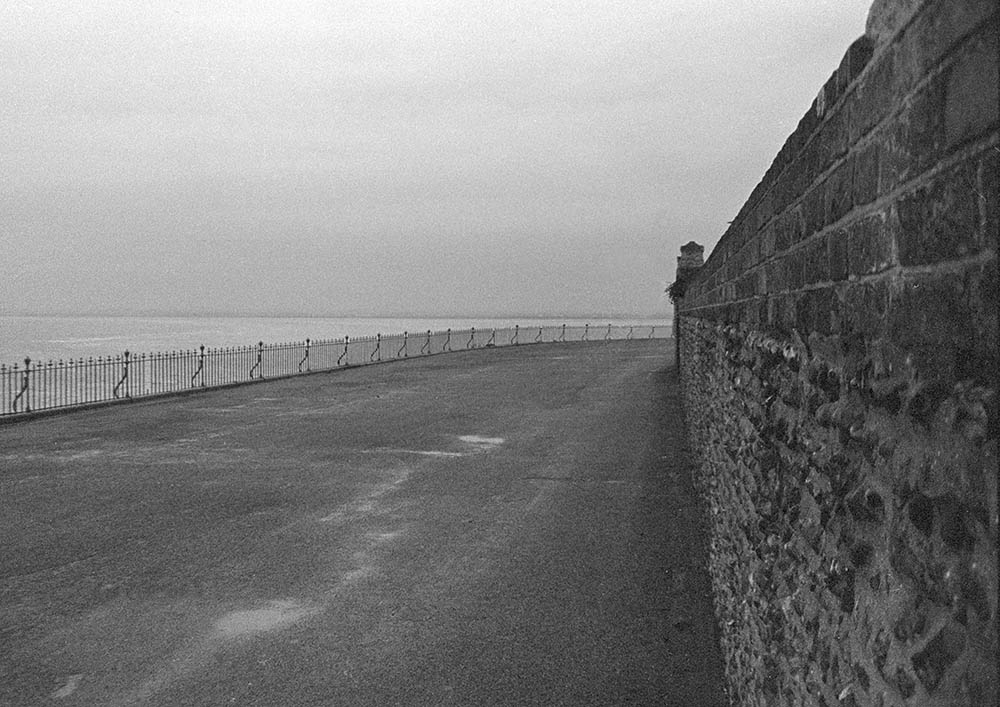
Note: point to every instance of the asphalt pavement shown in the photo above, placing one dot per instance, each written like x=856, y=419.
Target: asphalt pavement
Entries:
x=508, y=526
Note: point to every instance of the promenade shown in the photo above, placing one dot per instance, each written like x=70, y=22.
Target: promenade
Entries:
x=502, y=526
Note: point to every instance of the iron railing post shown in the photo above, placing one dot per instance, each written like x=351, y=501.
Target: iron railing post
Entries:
x=118, y=385
x=343, y=356
x=201, y=368
x=305, y=359
x=24, y=388
x=256, y=366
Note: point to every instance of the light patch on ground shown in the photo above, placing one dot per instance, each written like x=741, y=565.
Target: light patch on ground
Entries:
x=481, y=444
x=229, y=630
x=383, y=536
x=69, y=688
x=419, y=452
x=358, y=574
x=276, y=615
x=367, y=503
x=61, y=457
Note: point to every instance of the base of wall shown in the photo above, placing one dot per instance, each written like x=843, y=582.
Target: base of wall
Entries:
x=854, y=522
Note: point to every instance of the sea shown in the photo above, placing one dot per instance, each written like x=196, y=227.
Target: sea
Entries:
x=54, y=337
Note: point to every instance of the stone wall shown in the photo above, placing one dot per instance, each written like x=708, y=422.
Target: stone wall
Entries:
x=839, y=365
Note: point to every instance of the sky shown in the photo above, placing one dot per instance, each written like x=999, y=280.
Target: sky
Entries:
x=387, y=158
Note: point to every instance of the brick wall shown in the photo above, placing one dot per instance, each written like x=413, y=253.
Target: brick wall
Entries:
x=839, y=365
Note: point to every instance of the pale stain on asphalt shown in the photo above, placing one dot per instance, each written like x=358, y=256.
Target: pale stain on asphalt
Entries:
x=251, y=622
x=481, y=444
x=367, y=502
x=69, y=688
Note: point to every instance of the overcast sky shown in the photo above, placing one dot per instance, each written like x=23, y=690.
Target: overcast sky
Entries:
x=419, y=157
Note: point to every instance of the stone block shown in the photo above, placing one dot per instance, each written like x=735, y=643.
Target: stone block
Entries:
x=856, y=58
x=814, y=210
x=831, y=140
x=775, y=272
x=927, y=318
x=914, y=140
x=972, y=96
x=838, y=193
x=865, y=180
x=939, y=220
x=865, y=308
x=869, y=246
x=816, y=261
x=989, y=196
x=935, y=31
x=873, y=98
x=836, y=247
x=925, y=134
x=982, y=287
x=887, y=17
x=767, y=241
x=794, y=275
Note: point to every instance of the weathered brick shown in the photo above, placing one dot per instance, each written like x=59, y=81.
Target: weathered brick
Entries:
x=940, y=220
x=816, y=262
x=925, y=134
x=811, y=163
x=815, y=311
x=982, y=286
x=865, y=182
x=934, y=32
x=972, y=95
x=827, y=96
x=767, y=241
x=873, y=98
x=752, y=247
x=864, y=310
x=915, y=139
x=856, y=58
x=928, y=318
x=836, y=246
x=837, y=196
x=989, y=196
x=869, y=246
x=831, y=140
x=763, y=309
x=761, y=283
x=794, y=275
x=814, y=210
x=775, y=276
x=788, y=229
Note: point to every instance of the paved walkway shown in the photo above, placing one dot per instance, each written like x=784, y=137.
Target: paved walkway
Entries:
x=511, y=526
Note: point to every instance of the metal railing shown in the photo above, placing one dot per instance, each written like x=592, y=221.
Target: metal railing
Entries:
x=71, y=383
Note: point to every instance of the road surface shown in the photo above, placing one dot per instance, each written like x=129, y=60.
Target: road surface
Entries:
x=509, y=526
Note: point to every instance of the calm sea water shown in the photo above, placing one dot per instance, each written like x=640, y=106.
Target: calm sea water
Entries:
x=61, y=337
